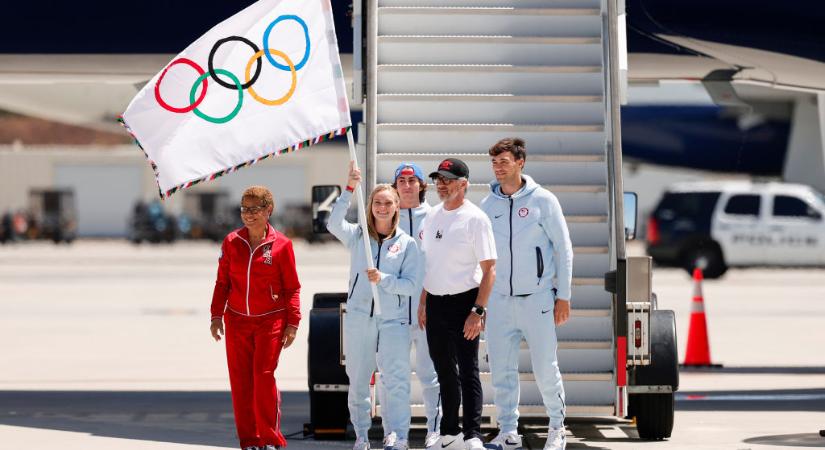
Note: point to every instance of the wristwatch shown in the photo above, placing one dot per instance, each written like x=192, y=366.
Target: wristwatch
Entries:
x=479, y=310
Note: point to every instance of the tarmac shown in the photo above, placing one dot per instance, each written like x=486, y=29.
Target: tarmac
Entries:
x=107, y=346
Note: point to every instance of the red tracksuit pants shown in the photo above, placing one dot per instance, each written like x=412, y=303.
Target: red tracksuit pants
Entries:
x=253, y=345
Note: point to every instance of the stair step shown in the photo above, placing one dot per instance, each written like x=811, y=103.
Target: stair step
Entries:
x=545, y=22
x=539, y=51
x=470, y=138
x=494, y=3
x=561, y=171
x=587, y=201
x=530, y=376
x=556, y=188
x=582, y=250
x=586, y=390
x=574, y=355
x=490, y=79
x=483, y=157
x=525, y=410
x=586, y=264
x=588, y=281
x=475, y=108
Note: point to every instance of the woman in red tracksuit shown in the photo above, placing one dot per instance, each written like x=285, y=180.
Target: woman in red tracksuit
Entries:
x=257, y=296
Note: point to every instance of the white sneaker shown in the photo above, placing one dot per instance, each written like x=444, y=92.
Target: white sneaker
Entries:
x=473, y=444
x=450, y=442
x=389, y=441
x=431, y=439
x=361, y=444
x=401, y=444
x=556, y=440
x=506, y=441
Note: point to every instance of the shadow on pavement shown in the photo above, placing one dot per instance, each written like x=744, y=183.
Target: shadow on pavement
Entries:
x=755, y=370
x=752, y=400
x=205, y=418
x=789, y=440
x=201, y=418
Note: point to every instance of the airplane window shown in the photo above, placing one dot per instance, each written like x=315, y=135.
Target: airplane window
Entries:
x=786, y=206
x=743, y=205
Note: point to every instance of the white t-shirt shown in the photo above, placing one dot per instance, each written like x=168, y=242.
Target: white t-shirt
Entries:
x=454, y=242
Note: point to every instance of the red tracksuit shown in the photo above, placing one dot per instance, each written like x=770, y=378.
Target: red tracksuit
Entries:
x=257, y=294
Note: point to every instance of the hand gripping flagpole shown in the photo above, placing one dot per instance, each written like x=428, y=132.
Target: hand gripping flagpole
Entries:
x=362, y=221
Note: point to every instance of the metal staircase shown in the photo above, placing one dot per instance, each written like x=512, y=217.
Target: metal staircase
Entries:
x=450, y=78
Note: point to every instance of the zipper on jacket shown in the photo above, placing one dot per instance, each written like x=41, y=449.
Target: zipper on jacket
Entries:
x=409, y=305
x=249, y=268
x=511, y=246
x=411, y=223
x=353, y=285
x=539, y=264
x=377, y=266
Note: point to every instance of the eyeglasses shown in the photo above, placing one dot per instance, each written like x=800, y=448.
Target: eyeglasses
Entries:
x=251, y=209
x=444, y=180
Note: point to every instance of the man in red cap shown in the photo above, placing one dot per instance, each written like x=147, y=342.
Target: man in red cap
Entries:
x=460, y=257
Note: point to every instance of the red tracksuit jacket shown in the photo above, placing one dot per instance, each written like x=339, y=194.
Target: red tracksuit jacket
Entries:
x=259, y=281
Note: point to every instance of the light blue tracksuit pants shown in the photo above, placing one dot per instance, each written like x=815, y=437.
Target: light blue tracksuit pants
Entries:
x=362, y=335
x=425, y=372
x=510, y=319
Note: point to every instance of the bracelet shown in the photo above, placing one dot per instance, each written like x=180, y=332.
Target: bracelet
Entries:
x=351, y=189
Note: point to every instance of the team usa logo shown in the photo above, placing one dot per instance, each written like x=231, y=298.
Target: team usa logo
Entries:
x=394, y=248
x=268, y=254
x=234, y=82
x=522, y=212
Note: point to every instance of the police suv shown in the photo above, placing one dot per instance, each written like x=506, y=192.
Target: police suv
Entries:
x=716, y=225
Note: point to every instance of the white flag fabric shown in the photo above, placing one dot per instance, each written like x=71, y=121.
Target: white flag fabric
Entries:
x=264, y=82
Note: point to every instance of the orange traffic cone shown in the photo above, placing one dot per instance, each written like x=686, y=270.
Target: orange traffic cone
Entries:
x=698, y=346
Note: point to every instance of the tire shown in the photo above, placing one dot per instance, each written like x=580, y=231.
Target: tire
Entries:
x=654, y=412
x=708, y=255
x=654, y=415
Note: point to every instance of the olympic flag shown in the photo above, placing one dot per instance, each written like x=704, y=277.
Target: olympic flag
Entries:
x=264, y=82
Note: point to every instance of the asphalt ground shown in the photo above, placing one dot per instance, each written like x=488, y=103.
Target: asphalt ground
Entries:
x=106, y=345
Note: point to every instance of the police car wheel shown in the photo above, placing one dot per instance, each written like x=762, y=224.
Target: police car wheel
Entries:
x=707, y=257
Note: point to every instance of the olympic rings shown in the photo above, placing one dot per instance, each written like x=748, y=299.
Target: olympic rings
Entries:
x=194, y=103
x=212, y=52
x=234, y=112
x=303, y=24
x=292, y=69
x=249, y=79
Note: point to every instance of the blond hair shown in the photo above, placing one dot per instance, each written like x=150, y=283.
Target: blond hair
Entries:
x=371, y=219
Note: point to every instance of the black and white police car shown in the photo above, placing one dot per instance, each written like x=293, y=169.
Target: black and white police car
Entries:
x=716, y=225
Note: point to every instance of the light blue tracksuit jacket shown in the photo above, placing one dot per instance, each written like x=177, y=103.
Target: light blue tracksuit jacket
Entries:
x=410, y=221
x=535, y=260
x=400, y=262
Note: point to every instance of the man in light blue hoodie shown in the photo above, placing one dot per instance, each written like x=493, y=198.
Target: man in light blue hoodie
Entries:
x=531, y=295
x=411, y=186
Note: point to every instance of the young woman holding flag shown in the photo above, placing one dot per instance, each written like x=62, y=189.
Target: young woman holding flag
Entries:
x=397, y=274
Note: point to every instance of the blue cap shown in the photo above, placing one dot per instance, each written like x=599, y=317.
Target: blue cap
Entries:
x=408, y=168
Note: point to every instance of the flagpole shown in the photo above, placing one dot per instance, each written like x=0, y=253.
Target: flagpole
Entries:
x=362, y=220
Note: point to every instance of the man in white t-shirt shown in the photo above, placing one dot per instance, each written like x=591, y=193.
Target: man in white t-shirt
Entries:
x=460, y=254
